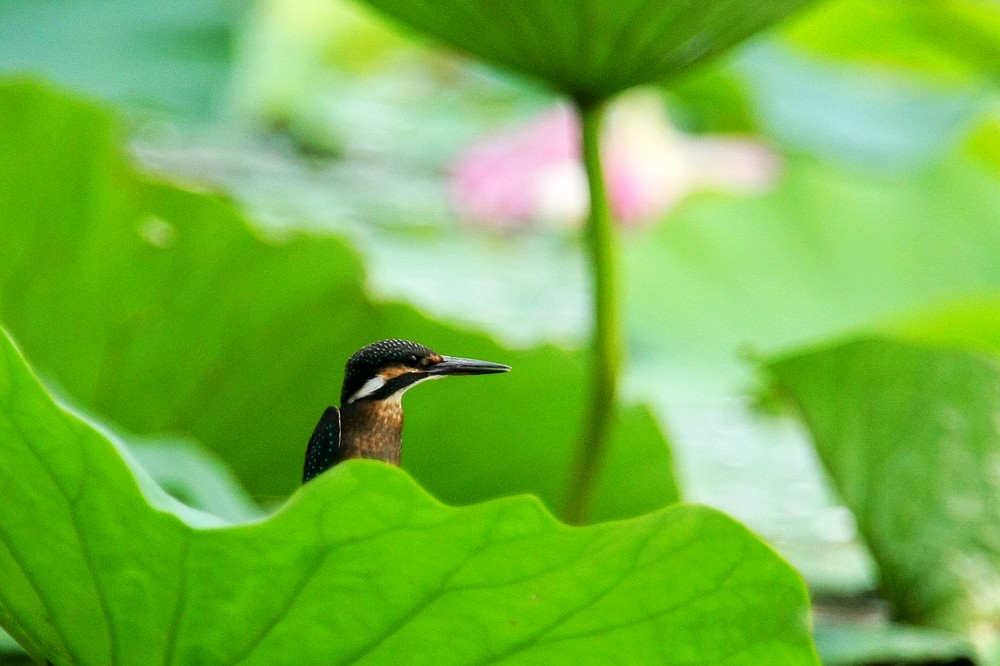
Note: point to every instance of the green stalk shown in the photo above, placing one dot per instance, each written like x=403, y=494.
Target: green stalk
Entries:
x=607, y=348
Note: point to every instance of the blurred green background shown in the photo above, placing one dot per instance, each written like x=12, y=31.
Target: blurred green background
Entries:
x=836, y=174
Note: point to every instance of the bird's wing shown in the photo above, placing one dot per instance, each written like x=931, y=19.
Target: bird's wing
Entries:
x=324, y=445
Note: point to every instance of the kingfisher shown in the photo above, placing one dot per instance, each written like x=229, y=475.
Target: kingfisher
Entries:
x=369, y=423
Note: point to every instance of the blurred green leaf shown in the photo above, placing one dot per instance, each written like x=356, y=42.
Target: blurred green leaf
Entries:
x=889, y=84
x=142, y=53
x=909, y=435
x=983, y=142
x=18, y=658
x=714, y=98
x=877, y=118
x=828, y=251
x=361, y=566
x=952, y=41
x=971, y=324
x=591, y=49
x=163, y=311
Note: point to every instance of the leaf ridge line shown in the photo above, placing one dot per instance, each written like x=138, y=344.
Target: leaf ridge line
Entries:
x=663, y=612
x=565, y=616
x=44, y=602
x=73, y=503
x=273, y=622
x=440, y=591
x=87, y=559
x=175, y=621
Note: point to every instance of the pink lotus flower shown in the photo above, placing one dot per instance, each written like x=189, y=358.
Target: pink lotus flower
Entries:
x=533, y=173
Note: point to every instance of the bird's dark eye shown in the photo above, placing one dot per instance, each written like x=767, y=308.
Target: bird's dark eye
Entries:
x=411, y=360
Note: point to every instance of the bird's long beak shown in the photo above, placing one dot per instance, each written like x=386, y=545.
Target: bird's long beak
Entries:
x=451, y=365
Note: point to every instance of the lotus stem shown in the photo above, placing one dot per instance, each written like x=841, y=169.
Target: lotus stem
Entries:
x=606, y=348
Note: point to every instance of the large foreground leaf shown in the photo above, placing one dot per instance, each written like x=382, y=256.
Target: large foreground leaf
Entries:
x=164, y=311
x=591, y=49
x=909, y=434
x=361, y=566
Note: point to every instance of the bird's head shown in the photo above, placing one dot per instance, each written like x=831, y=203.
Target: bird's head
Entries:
x=385, y=369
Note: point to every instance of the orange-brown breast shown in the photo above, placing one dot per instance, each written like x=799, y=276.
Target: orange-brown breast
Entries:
x=372, y=430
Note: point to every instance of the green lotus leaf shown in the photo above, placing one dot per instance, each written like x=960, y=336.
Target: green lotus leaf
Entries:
x=906, y=426
x=591, y=49
x=827, y=252
x=360, y=566
x=952, y=43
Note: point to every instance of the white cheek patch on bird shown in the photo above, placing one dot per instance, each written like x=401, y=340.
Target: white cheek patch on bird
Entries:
x=369, y=387
x=388, y=377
